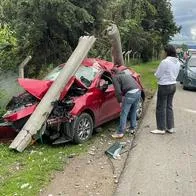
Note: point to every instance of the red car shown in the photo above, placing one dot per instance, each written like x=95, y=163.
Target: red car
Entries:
x=87, y=101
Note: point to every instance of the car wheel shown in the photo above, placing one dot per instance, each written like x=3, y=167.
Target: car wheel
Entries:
x=140, y=106
x=83, y=128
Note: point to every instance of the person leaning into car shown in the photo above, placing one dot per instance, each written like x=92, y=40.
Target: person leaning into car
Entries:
x=166, y=74
x=128, y=93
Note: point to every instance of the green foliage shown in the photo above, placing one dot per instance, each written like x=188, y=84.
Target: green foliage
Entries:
x=2, y=96
x=147, y=70
x=8, y=48
x=145, y=25
x=49, y=30
x=184, y=47
x=164, y=20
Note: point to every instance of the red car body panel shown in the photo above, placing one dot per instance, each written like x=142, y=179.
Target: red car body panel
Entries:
x=104, y=64
x=100, y=107
x=23, y=112
x=37, y=88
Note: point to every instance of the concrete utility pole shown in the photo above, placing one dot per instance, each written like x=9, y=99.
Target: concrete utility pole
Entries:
x=22, y=65
x=44, y=108
x=114, y=37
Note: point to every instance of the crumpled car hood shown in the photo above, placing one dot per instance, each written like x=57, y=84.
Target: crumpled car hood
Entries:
x=37, y=88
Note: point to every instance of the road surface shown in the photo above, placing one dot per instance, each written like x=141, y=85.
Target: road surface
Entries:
x=164, y=165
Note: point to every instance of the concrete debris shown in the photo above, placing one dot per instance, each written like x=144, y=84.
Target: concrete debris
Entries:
x=23, y=186
x=91, y=153
x=116, y=181
x=77, y=184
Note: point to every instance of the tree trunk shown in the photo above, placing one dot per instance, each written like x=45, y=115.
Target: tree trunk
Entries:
x=114, y=36
x=42, y=111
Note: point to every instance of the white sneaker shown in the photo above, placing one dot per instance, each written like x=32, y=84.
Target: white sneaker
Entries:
x=171, y=130
x=157, y=131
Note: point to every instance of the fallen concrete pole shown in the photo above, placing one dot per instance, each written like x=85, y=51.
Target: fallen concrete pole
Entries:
x=42, y=111
x=114, y=37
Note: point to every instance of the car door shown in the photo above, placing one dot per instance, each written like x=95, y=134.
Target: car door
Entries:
x=109, y=107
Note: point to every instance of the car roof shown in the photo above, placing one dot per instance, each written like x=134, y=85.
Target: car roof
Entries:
x=103, y=63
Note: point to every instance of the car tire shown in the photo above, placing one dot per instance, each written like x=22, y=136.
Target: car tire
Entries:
x=140, y=108
x=83, y=128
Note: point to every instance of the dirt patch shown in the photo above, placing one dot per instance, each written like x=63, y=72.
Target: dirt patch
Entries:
x=93, y=173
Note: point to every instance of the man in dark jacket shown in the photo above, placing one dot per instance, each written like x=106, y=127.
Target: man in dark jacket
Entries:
x=128, y=93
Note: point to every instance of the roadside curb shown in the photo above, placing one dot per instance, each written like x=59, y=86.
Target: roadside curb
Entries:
x=150, y=106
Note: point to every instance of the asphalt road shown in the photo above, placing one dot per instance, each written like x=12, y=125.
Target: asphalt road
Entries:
x=164, y=165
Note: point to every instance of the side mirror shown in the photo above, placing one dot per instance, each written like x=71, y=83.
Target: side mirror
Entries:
x=103, y=85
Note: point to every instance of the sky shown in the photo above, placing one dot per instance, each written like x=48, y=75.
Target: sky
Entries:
x=184, y=12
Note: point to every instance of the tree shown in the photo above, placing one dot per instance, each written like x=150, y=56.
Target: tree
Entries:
x=49, y=29
x=164, y=21
x=8, y=48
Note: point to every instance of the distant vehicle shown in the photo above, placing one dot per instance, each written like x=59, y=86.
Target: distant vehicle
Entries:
x=192, y=52
x=187, y=74
x=87, y=101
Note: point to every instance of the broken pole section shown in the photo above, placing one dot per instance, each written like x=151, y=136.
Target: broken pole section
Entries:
x=22, y=65
x=114, y=36
x=44, y=108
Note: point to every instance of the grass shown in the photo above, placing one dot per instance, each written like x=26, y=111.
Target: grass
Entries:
x=28, y=172
x=147, y=70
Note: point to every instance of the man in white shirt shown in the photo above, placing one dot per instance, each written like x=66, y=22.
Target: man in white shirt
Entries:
x=166, y=74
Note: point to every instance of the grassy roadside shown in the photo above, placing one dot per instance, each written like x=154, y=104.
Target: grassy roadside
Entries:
x=147, y=70
x=26, y=173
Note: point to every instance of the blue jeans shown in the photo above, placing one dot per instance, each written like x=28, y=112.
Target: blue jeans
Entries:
x=129, y=107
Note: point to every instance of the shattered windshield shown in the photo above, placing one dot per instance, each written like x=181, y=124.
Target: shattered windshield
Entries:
x=84, y=73
x=192, y=62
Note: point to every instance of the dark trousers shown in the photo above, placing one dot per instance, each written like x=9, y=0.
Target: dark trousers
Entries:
x=164, y=108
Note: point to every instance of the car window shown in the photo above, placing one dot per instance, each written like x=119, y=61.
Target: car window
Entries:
x=107, y=77
x=192, y=62
x=84, y=73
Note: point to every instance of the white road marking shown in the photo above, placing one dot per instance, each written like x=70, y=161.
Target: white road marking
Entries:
x=189, y=110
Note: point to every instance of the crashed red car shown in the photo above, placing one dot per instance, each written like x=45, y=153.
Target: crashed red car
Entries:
x=87, y=101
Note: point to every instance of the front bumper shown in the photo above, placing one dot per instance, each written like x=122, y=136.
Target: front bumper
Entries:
x=190, y=82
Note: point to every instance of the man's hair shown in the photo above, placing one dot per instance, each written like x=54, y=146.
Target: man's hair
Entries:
x=170, y=50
